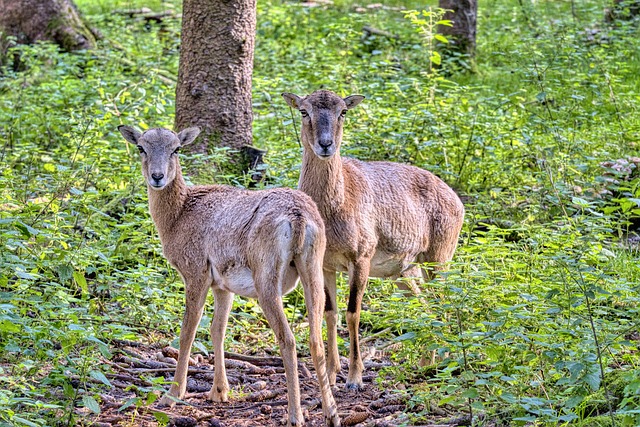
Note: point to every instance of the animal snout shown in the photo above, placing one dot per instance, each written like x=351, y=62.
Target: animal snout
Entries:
x=325, y=142
x=157, y=176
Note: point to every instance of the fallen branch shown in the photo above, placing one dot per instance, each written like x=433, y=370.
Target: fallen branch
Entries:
x=369, y=31
x=246, y=366
x=262, y=395
x=256, y=360
x=374, y=336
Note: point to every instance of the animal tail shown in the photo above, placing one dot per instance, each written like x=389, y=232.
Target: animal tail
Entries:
x=298, y=231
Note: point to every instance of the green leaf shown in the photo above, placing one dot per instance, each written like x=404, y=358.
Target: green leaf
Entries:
x=441, y=38
x=24, y=421
x=7, y=325
x=91, y=404
x=436, y=58
x=81, y=281
x=593, y=380
x=128, y=403
x=161, y=417
x=97, y=375
x=151, y=397
x=472, y=393
x=404, y=337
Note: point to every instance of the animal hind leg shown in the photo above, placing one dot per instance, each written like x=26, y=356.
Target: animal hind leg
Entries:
x=271, y=303
x=310, y=270
x=358, y=277
x=331, y=317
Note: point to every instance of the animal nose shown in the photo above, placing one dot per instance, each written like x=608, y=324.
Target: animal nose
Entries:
x=324, y=143
x=157, y=176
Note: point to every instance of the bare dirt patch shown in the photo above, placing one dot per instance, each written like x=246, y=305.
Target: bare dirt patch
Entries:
x=258, y=398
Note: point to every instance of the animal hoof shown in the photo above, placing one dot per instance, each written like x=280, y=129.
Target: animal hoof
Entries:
x=332, y=378
x=296, y=421
x=354, y=386
x=219, y=396
x=332, y=420
x=168, y=401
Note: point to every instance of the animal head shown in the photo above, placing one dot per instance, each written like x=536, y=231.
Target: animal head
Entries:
x=323, y=114
x=158, y=152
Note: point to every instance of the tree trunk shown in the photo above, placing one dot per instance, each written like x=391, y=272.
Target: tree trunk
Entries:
x=462, y=35
x=622, y=10
x=214, y=76
x=36, y=20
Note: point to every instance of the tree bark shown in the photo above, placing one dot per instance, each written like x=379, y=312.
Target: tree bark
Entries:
x=462, y=35
x=214, y=76
x=38, y=20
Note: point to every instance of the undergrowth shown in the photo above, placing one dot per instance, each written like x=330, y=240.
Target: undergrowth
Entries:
x=536, y=320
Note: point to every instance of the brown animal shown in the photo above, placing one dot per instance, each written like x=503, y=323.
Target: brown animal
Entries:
x=381, y=217
x=234, y=241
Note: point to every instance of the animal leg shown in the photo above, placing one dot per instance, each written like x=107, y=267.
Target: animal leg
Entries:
x=358, y=277
x=271, y=304
x=408, y=281
x=310, y=271
x=195, y=295
x=331, y=317
x=223, y=301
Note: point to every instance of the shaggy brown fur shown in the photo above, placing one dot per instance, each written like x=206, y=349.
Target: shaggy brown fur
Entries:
x=234, y=241
x=381, y=217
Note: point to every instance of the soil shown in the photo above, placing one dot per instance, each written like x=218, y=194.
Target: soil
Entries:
x=258, y=395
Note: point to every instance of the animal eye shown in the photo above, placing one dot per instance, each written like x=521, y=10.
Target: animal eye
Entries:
x=304, y=113
x=176, y=150
x=343, y=113
x=141, y=150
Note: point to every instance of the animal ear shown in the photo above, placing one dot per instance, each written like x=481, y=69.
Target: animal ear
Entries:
x=130, y=134
x=353, y=100
x=188, y=135
x=293, y=100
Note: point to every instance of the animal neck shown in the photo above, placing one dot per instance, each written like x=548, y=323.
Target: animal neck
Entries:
x=167, y=204
x=323, y=180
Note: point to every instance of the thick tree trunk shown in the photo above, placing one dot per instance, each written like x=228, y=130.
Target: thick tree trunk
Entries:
x=462, y=35
x=214, y=77
x=54, y=20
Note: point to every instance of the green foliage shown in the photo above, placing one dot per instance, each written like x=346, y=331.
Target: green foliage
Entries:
x=536, y=320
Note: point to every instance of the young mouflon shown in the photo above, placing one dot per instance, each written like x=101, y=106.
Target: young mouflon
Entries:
x=233, y=241
x=381, y=218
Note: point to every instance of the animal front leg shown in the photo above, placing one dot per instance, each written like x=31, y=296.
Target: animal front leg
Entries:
x=407, y=282
x=195, y=295
x=223, y=301
x=358, y=276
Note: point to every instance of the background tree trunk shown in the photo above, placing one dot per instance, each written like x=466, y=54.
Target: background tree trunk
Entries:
x=462, y=35
x=622, y=10
x=54, y=20
x=214, y=77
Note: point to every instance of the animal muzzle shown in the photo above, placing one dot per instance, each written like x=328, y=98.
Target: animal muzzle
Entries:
x=157, y=180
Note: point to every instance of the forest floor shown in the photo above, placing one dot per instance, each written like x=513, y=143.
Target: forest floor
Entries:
x=258, y=396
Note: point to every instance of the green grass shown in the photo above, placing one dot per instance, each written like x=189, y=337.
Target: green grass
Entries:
x=542, y=296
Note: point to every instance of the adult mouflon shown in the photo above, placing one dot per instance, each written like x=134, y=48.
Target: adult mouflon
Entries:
x=381, y=218
x=234, y=241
